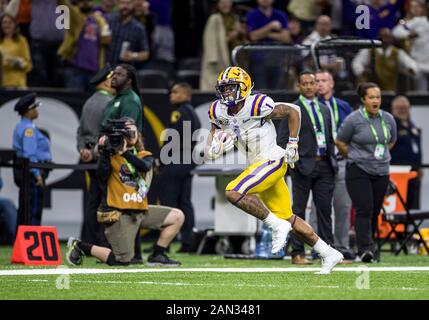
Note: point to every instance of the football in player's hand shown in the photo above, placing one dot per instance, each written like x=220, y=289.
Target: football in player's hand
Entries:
x=223, y=136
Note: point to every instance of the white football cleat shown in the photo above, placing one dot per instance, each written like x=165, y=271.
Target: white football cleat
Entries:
x=279, y=236
x=332, y=258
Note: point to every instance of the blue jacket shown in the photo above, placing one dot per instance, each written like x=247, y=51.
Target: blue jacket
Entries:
x=344, y=109
x=26, y=142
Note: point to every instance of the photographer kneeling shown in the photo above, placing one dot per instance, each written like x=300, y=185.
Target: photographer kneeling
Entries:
x=124, y=173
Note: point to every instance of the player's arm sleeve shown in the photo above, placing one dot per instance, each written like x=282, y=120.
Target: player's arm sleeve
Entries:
x=29, y=146
x=212, y=113
x=262, y=106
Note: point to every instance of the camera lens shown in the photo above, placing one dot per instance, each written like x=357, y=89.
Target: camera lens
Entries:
x=116, y=141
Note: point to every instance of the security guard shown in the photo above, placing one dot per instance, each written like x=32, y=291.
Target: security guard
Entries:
x=26, y=140
x=176, y=179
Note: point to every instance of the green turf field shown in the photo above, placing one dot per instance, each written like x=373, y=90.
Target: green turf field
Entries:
x=207, y=283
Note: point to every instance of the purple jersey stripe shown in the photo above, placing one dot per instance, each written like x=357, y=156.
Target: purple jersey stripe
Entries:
x=253, y=105
x=264, y=177
x=252, y=174
x=260, y=106
x=214, y=109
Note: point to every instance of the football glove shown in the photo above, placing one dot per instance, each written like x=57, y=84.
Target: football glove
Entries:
x=292, y=155
x=222, y=142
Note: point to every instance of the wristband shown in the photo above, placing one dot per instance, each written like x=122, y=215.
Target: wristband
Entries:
x=293, y=140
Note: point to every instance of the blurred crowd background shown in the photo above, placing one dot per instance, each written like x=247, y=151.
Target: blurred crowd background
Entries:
x=192, y=41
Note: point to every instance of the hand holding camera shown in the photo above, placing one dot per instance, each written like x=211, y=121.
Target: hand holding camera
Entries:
x=114, y=137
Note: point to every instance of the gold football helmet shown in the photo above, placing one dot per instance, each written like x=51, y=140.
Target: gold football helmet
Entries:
x=233, y=85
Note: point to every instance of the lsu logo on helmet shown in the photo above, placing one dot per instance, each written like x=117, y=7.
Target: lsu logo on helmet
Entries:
x=233, y=85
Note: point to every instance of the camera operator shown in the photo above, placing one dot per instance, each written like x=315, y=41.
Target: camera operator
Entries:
x=124, y=173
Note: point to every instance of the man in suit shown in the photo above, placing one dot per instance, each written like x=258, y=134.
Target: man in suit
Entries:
x=315, y=171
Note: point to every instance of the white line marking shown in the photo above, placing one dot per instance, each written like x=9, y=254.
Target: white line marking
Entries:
x=29, y=272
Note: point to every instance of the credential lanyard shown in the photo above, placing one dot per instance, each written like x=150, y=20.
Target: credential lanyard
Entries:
x=374, y=132
x=130, y=166
x=310, y=114
x=105, y=92
x=336, y=118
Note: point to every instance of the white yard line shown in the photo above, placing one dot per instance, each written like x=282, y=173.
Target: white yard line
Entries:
x=62, y=270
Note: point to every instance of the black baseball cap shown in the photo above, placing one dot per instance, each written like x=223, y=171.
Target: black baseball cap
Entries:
x=102, y=75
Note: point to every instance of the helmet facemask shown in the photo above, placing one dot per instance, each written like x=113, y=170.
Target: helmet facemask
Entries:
x=229, y=93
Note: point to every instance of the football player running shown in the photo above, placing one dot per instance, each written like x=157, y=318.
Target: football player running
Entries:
x=245, y=120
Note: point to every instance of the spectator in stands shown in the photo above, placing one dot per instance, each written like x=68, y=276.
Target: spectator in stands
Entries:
x=83, y=48
x=46, y=38
x=306, y=11
x=21, y=10
x=408, y=148
x=222, y=33
x=296, y=34
x=129, y=38
x=333, y=9
x=176, y=178
x=383, y=14
x=267, y=25
x=106, y=7
x=416, y=30
x=87, y=137
x=389, y=61
x=15, y=54
x=125, y=173
x=163, y=35
x=339, y=109
x=317, y=165
x=323, y=31
x=8, y=213
x=144, y=15
x=365, y=138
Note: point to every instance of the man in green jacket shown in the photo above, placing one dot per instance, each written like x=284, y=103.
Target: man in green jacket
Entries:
x=127, y=102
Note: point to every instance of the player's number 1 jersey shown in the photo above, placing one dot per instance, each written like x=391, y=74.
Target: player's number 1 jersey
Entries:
x=253, y=135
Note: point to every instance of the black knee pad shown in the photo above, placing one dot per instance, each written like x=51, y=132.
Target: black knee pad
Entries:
x=111, y=261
